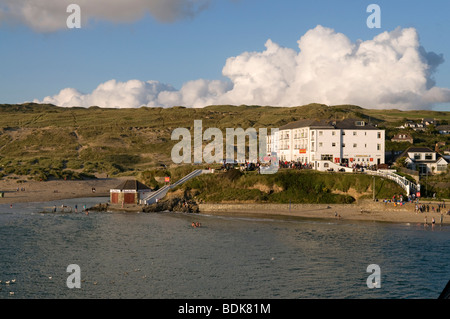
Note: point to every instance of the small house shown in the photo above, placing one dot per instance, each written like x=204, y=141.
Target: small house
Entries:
x=425, y=160
x=443, y=129
x=129, y=192
x=402, y=138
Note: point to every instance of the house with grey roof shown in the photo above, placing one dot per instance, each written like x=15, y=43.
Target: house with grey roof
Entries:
x=424, y=160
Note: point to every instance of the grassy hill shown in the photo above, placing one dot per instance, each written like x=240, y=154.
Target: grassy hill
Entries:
x=42, y=141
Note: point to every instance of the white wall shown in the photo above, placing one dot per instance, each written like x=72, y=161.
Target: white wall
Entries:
x=369, y=144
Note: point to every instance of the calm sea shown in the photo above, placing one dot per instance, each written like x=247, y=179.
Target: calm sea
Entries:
x=127, y=255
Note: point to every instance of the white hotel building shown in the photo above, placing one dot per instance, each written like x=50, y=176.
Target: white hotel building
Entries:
x=319, y=142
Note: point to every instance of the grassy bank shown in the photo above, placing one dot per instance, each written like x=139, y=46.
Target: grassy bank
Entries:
x=45, y=141
x=302, y=187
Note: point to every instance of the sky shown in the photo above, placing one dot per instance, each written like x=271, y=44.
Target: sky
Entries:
x=162, y=53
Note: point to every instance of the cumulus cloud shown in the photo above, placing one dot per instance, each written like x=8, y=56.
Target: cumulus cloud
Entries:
x=51, y=15
x=392, y=70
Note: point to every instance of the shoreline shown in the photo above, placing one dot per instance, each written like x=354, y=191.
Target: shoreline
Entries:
x=362, y=210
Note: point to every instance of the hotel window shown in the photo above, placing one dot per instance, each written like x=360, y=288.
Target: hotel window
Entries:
x=354, y=133
x=428, y=156
x=333, y=144
x=365, y=145
x=343, y=144
x=378, y=147
x=312, y=145
x=378, y=135
x=355, y=145
x=320, y=144
x=333, y=133
x=326, y=157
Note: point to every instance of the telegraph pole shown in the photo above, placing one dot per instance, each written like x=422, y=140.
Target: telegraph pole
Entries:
x=373, y=188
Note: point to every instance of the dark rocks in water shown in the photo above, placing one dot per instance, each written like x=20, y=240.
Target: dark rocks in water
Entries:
x=99, y=207
x=176, y=204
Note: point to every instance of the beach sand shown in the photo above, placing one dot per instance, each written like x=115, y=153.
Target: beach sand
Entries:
x=35, y=191
x=366, y=210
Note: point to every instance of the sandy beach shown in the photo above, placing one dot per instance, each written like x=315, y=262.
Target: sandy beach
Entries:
x=367, y=210
x=34, y=191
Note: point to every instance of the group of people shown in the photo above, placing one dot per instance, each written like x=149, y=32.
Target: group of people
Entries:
x=63, y=207
x=363, y=165
x=196, y=224
x=294, y=165
x=422, y=208
x=433, y=221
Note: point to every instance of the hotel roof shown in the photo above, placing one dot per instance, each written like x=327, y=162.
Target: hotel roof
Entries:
x=347, y=124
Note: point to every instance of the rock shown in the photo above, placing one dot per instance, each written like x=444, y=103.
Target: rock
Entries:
x=99, y=207
x=175, y=204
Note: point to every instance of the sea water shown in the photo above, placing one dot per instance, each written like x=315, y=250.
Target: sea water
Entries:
x=139, y=255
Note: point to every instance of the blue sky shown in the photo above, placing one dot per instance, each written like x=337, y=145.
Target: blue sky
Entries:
x=37, y=64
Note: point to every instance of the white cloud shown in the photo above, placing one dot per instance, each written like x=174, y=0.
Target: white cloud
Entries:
x=51, y=15
x=390, y=71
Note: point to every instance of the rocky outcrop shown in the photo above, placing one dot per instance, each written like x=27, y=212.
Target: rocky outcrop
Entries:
x=99, y=207
x=175, y=204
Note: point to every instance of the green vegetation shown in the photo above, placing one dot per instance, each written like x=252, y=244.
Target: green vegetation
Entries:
x=438, y=185
x=303, y=187
x=44, y=141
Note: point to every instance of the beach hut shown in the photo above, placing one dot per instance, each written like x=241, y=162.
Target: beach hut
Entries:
x=129, y=192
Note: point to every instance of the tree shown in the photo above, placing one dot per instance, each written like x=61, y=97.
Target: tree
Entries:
x=431, y=129
x=401, y=162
